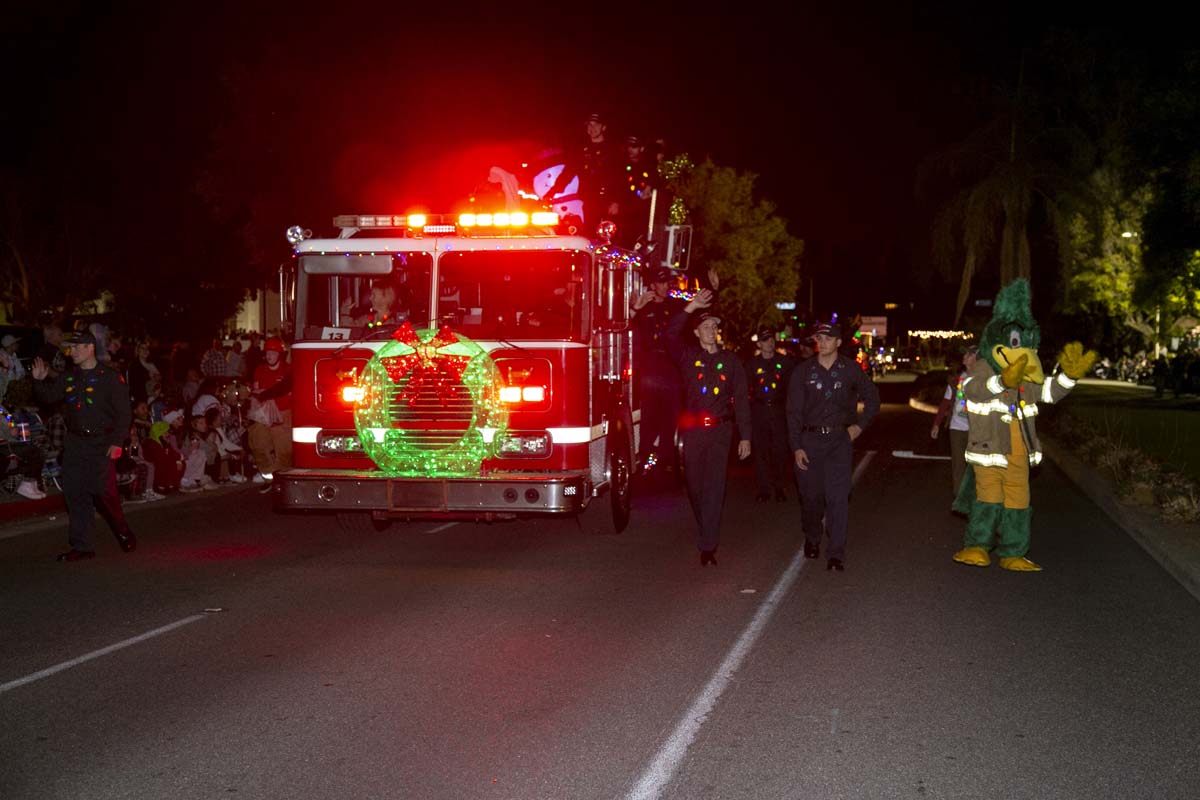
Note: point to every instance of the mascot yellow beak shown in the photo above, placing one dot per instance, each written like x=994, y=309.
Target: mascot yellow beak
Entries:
x=1006, y=355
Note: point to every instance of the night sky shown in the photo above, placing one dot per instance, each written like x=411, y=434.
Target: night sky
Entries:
x=365, y=107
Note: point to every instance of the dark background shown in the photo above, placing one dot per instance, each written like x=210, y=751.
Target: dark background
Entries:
x=215, y=127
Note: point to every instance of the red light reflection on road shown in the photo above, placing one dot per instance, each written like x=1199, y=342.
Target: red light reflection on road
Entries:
x=219, y=552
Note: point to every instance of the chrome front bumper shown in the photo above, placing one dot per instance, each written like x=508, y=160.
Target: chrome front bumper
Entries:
x=496, y=494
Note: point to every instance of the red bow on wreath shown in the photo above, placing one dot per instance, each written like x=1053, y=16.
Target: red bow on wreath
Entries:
x=426, y=365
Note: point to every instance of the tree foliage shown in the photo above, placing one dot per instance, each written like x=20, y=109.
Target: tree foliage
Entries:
x=743, y=239
x=1026, y=163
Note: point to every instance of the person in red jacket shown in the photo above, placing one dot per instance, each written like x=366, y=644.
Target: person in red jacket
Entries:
x=270, y=432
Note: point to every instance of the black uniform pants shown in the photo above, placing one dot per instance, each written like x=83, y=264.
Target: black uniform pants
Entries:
x=89, y=479
x=769, y=446
x=659, y=396
x=705, y=464
x=825, y=488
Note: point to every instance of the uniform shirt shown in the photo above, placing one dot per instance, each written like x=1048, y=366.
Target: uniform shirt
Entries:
x=650, y=324
x=828, y=398
x=769, y=378
x=95, y=402
x=713, y=383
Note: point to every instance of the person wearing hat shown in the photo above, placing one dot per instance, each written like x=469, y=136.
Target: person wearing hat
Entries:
x=657, y=376
x=716, y=398
x=270, y=432
x=97, y=414
x=638, y=178
x=954, y=408
x=822, y=410
x=769, y=373
x=13, y=367
x=595, y=164
x=161, y=449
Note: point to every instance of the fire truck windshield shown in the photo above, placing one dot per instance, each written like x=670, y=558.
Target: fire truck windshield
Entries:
x=515, y=294
x=346, y=304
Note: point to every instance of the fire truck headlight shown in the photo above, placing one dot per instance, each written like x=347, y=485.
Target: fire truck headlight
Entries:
x=526, y=383
x=339, y=443
x=524, y=445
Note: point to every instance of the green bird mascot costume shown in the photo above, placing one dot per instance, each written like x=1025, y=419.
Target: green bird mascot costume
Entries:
x=1002, y=394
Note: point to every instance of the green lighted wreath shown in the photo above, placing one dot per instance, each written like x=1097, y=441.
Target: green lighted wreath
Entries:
x=429, y=398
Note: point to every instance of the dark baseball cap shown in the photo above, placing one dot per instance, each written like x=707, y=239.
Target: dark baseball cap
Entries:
x=660, y=276
x=766, y=333
x=79, y=337
x=832, y=331
x=704, y=316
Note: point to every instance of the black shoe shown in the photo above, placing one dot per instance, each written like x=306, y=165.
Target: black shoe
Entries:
x=780, y=496
x=835, y=565
x=127, y=541
x=75, y=555
x=708, y=557
x=762, y=497
x=812, y=550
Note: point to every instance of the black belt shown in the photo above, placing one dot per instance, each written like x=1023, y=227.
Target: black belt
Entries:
x=822, y=428
x=702, y=419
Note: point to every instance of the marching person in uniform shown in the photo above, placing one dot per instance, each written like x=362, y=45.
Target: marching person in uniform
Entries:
x=97, y=413
x=822, y=413
x=715, y=399
x=769, y=373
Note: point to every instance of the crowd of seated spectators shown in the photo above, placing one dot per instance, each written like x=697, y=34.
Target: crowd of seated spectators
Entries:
x=189, y=414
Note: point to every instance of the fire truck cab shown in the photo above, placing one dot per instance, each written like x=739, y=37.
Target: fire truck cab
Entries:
x=474, y=366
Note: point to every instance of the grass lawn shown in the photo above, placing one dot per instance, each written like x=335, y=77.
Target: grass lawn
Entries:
x=1166, y=429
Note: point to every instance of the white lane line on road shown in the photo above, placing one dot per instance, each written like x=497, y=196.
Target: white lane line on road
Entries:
x=4, y=687
x=661, y=769
x=441, y=528
x=911, y=454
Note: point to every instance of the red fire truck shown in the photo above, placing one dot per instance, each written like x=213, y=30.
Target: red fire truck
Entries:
x=477, y=366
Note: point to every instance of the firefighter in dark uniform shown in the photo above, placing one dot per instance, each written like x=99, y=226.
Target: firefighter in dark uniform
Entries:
x=822, y=413
x=715, y=400
x=769, y=373
x=658, y=378
x=97, y=413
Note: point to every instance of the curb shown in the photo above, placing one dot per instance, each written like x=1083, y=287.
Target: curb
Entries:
x=39, y=515
x=1175, y=547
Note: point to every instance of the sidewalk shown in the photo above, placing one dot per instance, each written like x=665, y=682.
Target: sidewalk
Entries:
x=1135, y=411
x=1176, y=547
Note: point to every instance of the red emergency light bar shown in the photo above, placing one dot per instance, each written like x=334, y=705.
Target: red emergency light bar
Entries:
x=433, y=224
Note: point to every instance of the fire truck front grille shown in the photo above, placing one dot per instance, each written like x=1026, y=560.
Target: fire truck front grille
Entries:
x=433, y=422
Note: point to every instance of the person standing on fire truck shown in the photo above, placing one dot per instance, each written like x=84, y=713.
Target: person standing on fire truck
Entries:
x=716, y=397
x=270, y=433
x=594, y=163
x=658, y=377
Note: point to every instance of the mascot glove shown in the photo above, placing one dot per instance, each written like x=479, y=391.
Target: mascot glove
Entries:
x=1074, y=362
x=1013, y=374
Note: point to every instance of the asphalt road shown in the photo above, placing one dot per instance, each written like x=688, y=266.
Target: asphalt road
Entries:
x=543, y=659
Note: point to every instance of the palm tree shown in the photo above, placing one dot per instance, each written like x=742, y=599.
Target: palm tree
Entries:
x=1013, y=164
